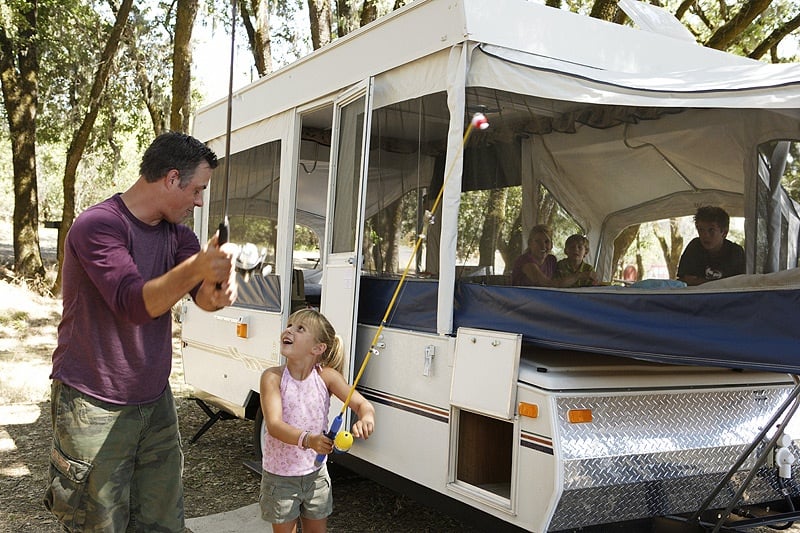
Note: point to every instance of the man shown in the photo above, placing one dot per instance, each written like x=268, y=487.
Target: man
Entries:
x=116, y=461
x=710, y=256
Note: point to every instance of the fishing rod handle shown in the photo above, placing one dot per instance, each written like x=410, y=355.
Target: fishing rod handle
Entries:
x=331, y=434
x=222, y=237
x=223, y=231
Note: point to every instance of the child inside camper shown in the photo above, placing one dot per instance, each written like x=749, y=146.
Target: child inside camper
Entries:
x=573, y=271
x=295, y=399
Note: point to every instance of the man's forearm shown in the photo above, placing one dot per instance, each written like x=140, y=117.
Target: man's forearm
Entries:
x=161, y=293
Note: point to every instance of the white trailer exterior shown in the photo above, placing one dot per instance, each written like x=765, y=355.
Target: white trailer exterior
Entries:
x=540, y=431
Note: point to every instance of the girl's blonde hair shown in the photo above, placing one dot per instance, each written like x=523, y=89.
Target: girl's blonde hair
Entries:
x=323, y=331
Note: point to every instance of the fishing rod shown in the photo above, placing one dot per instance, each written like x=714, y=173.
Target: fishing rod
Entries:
x=343, y=440
x=224, y=226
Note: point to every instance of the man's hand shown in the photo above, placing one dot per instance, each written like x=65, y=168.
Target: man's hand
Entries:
x=219, y=288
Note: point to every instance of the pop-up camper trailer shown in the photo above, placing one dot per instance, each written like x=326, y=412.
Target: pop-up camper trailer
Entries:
x=549, y=409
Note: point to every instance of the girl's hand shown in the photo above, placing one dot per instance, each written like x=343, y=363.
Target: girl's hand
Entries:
x=320, y=443
x=363, y=428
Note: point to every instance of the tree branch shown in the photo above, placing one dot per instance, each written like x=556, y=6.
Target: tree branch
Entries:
x=775, y=37
x=727, y=34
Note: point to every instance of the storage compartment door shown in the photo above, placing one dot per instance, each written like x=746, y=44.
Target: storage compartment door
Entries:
x=485, y=372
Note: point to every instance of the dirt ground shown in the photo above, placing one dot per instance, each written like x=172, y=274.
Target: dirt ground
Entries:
x=215, y=478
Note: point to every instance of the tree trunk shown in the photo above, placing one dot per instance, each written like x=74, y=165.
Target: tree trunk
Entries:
x=513, y=248
x=81, y=136
x=181, y=112
x=369, y=12
x=319, y=15
x=671, y=251
x=546, y=212
x=344, y=18
x=684, y=6
x=19, y=75
x=677, y=248
x=605, y=10
x=495, y=218
x=258, y=33
x=621, y=244
x=639, y=267
x=393, y=246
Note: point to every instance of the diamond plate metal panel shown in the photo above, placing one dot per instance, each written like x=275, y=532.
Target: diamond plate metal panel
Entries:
x=654, y=454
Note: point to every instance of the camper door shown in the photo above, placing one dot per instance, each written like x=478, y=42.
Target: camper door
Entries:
x=344, y=233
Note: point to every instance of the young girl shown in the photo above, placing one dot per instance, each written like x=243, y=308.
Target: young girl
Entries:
x=295, y=399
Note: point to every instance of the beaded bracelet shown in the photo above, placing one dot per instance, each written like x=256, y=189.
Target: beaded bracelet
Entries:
x=301, y=442
x=305, y=440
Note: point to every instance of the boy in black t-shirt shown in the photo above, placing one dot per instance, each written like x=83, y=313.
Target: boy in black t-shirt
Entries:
x=710, y=256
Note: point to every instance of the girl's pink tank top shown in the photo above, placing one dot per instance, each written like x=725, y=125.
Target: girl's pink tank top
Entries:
x=305, y=406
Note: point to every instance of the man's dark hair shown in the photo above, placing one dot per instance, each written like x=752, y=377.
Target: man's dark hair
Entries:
x=174, y=150
x=713, y=214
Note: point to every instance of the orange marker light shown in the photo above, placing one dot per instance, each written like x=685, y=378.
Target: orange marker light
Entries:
x=579, y=416
x=241, y=330
x=531, y=410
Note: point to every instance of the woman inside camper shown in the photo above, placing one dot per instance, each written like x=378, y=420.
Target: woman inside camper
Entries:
x=537, y=265
x=295, y=399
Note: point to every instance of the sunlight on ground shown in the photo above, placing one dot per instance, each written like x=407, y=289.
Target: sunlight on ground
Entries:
x=16, y=470
x=28, y=328
x=24, y=381
x=11, y=415
x=19, y=414
x=7, y=445
x=6, y=442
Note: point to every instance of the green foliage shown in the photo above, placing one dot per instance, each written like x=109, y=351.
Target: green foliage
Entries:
x=69, y=46
x=791, y=177
x=290, y=34
x=513, y=210
x=305, y=239
x=121, y=129
x=471, y=214
x=707, y=16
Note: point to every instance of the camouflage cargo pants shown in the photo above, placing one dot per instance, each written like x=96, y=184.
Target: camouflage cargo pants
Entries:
x=115, y=468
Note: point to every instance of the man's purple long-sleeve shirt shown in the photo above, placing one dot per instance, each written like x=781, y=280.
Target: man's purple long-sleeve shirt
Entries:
x=108, y=345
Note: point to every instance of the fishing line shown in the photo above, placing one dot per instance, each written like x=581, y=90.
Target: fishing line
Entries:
x=248, y=257
x=478, y=121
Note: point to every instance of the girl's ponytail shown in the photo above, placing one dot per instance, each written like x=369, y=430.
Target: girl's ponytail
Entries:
x=333, y=357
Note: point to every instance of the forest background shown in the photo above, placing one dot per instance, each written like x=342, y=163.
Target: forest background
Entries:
x=87, y=84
